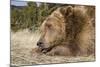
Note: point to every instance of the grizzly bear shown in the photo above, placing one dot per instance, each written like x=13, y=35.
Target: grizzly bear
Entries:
x=67, y=31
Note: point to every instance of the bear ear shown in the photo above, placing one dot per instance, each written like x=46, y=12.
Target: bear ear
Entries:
x=67, y=11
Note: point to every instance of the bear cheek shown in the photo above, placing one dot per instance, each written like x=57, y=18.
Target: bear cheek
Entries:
x=48, y=40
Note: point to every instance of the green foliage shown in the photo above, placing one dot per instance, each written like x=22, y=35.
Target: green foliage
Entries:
x=30, y=16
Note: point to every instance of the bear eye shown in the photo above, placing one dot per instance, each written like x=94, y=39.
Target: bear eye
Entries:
x=48, y=25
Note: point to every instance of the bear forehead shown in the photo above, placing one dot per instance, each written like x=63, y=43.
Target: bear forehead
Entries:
x=56, y=16
x=57, y=13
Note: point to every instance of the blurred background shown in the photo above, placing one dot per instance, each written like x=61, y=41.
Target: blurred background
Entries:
x=30, y=15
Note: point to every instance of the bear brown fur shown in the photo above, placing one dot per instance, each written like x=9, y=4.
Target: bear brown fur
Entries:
x=68, y=31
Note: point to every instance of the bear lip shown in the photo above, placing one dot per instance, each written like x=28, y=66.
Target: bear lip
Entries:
x=45, y=50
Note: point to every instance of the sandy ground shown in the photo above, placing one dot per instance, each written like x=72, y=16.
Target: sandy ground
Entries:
x=22, y=43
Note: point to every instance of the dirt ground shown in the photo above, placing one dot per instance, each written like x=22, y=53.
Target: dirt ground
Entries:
x=22, y=43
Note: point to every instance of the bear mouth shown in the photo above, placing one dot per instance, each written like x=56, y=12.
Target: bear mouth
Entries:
x=45, y=50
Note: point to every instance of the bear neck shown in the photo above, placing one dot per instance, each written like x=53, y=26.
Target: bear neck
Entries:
x=74, y=25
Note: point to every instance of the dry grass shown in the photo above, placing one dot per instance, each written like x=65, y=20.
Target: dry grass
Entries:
x=22, y=42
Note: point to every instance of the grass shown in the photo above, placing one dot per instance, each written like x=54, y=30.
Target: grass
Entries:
x=22, y=43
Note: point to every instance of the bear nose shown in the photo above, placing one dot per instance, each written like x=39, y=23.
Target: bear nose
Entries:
x=39, y=44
